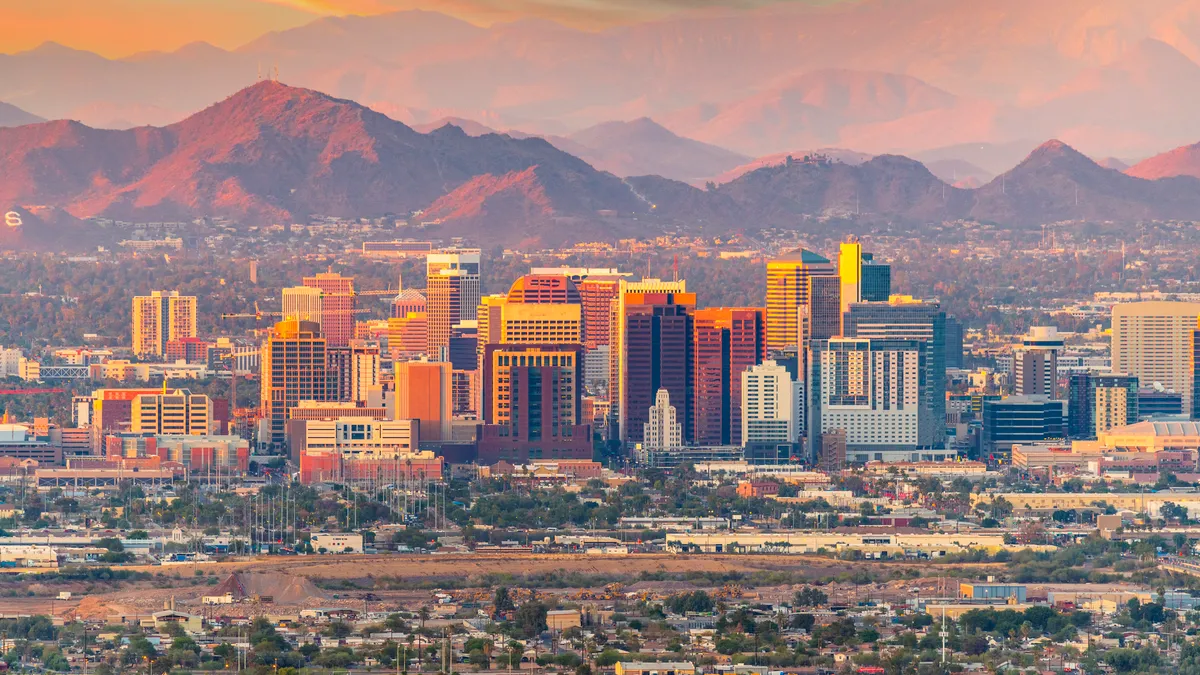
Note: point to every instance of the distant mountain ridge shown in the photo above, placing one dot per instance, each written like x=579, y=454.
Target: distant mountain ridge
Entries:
x=12, y=116
x=272, y=153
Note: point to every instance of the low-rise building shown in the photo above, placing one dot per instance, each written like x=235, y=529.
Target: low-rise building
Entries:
x=337, y=542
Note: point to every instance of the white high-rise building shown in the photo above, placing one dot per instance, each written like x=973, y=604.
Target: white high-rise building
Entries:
x=1153, y=342
x=663, y=431
x=1035, y=364
x=302, y=303
x=872, y=390
x=772, y=405
x=159, y=318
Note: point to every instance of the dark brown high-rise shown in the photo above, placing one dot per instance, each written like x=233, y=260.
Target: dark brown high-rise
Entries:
x=726, y=342
x=658, y=355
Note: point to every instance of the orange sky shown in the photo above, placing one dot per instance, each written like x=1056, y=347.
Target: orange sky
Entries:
x=116, y=28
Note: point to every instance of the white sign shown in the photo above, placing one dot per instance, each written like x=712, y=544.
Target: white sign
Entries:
x=12, y=219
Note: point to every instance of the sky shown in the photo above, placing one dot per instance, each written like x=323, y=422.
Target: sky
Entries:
x=119, y=28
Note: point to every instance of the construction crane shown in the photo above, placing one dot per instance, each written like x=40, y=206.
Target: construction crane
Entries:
x=258, y=314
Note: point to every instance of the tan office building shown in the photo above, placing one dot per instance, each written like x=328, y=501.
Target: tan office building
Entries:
x=1153, y=342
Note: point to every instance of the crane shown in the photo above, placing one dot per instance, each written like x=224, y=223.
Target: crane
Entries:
x=258, y=314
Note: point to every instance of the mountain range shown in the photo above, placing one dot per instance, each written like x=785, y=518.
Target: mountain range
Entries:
x=1111, y=77
x=277, y=154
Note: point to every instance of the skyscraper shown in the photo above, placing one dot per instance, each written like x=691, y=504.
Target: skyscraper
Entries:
x=862, y=279
x=1152, y=341
x=337, y=306
x=1097, y=403
x=294, y=369
x=353, y=370
x=618, y=358
x=597, y=295
x=1035, y=364
x=408, y=336
x=954, y=342
x=159, y=318
x=180, y=413
x=452, y=293
x=903, y=318
x=772, y=405
x=726, y=342
x=789, y=289
x=302, y=303
x=423, y=392
x=656, y=353
x=532, y=404
x=543, y=289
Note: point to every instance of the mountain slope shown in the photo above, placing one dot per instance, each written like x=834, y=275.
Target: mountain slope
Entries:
x=12, y=116
x=1056, y=182
x=1182, y=161
x=272, y=153
x=644, y=147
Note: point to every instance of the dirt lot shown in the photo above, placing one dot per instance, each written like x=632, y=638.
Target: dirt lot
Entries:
x=149, y=596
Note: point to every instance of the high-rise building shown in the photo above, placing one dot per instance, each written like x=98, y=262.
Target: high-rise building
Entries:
x=353, y=370
x=408, y=336
x=464, y=342
x=408, y=300
x=424, y=392
x=597, y=295
x=540, y=324
x=874, y=390
x=532, y=403
x=655, y=353
x=294, y=368
x=662, y=430
x=954, y=342
x=179, y=413
x=772, y=405
x=489, y=322
x=1097, y=403
x=452, y=293
x=302, y=303
x=1035, y=364
x=820, y=315
x=725, y=343
x=903, y=318
x=543, y=289
x=159, y=318
x=862, y=278
x=337, y=306
x=789, y=289
x=618, y=358
x=1152, y=341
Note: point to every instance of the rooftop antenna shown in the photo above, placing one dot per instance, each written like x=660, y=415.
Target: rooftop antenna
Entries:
x=675, y=266
x=648, y=273
x=259, y=78
x=276, y=77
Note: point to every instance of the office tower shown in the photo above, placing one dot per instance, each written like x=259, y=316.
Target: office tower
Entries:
x=875, y=285
x=465, y=392
x=1097, y=403
x=833, y=452
x=452, y=293
x=618, y=358
x=1035, y=364
x=1152, y=341
x=408, y=300
x=820, y=316
x=725, y=342
x=532, y=404
x=954, y=342
x=353, y=370
x=337, y=306
x=463, y=350
x=408, y=336
x=159, y=318
x=302, y=303
x=874, y=390
x=655, y=353
x=850, y=262
x=489, y=322
x=772, y=405
x=1195, y=367
x=424, y=392
x=789, y=289
x=662, y=430
x=293, y=366
x=543, y=289
x=597, y=295
x=179, y=413
x=903, y=318
x=1158, y=402
x=1020, y=420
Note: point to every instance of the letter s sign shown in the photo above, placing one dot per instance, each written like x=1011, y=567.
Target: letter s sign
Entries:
x=12, y=219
